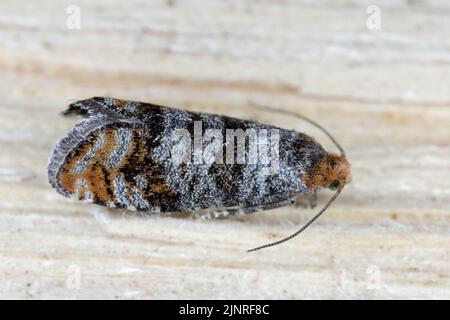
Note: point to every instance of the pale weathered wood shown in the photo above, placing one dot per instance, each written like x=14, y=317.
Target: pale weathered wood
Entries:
x=384, y=94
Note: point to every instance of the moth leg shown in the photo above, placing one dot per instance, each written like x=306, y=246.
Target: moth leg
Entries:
x=248, y=210
x=307, y=200
x=312, y=198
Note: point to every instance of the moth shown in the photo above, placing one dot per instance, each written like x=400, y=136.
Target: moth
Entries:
x=125, y=154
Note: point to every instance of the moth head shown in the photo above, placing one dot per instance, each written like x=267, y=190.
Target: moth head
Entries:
x=337, y=172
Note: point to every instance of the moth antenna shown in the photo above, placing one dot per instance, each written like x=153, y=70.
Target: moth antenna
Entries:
x=303, y=118
x=334, y=197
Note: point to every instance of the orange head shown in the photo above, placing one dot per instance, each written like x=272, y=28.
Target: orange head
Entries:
x=332, y=172
x=337, y=173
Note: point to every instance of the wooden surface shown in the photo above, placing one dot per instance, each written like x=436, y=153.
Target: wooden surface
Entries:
x=384, y=94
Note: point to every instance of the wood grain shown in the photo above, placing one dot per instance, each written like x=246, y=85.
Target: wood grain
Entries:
x=384, y=95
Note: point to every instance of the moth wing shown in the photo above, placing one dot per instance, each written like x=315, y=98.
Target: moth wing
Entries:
x=111, y=163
